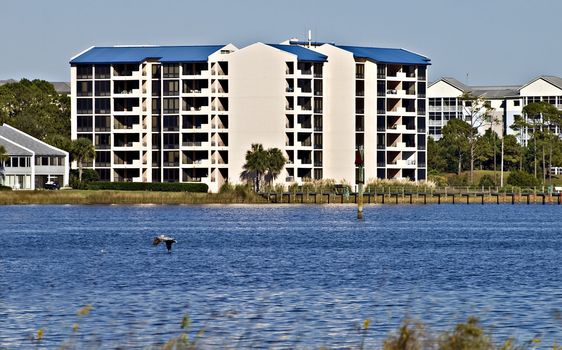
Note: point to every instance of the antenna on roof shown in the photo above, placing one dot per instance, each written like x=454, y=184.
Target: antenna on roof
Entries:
x=309, y=38
x=467, y=79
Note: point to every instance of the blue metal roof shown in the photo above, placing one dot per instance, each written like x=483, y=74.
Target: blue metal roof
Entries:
x=386, y=55
x=138, y=54
x=302, y=53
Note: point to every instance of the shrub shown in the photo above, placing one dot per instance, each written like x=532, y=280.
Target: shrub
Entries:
x=487, y=181
x=522, y=179
x=469, y=335
x=149, y=186
x=5, y=188
x=458, y=180
x=88, y=175
x=439, y=180
x=226, y=188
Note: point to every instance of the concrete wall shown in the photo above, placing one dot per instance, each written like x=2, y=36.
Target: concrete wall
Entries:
x=339, y=114
x=256, y=102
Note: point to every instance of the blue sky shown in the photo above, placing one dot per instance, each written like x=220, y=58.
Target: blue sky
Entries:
x=478, y=42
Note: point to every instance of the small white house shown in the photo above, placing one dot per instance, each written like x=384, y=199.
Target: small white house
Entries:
x=31, y=162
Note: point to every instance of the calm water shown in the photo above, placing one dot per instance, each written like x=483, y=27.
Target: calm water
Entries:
x=276, y=276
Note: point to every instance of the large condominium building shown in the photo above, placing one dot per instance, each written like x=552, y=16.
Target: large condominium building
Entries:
x=190, y=113
x=507, y=103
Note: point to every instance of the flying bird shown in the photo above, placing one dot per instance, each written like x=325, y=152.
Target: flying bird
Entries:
x=168, y=240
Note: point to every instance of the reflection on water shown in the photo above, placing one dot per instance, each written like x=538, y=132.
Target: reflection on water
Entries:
x=276, y=276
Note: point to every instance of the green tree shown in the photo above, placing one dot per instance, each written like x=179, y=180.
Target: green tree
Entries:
x=455, y=141
x=35, y=108
x=539, y=118
x=256, y=165
x=262, y=163
x=478, y=113
x=512, y=153
x=275, y=163
x=435, y=160
x=82, y=151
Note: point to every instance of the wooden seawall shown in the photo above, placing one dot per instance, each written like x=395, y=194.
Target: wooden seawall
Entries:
x=414, y=198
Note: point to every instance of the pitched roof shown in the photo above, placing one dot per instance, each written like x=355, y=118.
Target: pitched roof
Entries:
x=302, y=53
x=13, y=149
x=61, y=87
x=138, y=54
x=556, y=81
x=27, y=141
x=454, y=83
x=492, y=92
x=386, y=55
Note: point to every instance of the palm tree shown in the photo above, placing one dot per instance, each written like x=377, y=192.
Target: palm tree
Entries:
x=3, y=158
x=256, y=165
x=82, y=151
x=275, y=163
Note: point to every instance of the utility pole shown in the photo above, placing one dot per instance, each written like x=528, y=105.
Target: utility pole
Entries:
x=360, y=180
x=501, y=175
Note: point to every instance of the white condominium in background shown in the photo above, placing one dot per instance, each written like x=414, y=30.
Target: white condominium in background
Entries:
x=507, y=103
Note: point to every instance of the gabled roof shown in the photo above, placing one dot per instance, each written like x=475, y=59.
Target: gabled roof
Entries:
x=302, y=53
x=386, y=55
x=556, y=81
x=61, y=87
x=454, y=83
x=138, y=54
x=31, y=143
x=13, y=149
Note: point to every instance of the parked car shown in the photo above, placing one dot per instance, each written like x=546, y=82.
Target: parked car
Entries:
x=51, y=185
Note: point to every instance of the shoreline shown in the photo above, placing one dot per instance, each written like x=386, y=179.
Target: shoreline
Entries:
x=108, y=197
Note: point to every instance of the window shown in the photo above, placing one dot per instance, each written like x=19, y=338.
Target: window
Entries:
x=171, y=175
x=102, y=123
x=104, y=174
x=155, y=71
x=360, y=71
x=102, y=88
x=103, y=158
x=171, y=105
x=84, y=88
x=103, y=105
x=170, y=71
x=516, y=103
x=171, y=141
x=84, y=72
x=171, y=123
x=155, y=88
x=84, y=123
x=84, y=105
x=103, y=141
x=155, y=106
x=171, y=87
x=102, y=72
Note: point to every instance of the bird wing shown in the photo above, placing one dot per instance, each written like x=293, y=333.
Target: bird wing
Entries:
x=169, y=244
